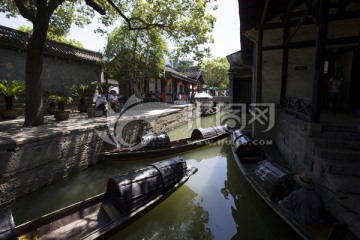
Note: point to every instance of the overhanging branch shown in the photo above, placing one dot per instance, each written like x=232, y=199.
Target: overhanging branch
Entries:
x=129, y=20
x=23, y=11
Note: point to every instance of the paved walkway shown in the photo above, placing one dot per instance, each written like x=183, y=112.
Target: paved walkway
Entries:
x=12, y=132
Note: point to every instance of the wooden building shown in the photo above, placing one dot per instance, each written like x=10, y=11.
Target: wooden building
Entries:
x=292, y=48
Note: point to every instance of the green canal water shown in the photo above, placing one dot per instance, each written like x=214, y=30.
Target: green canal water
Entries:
x=215, y=203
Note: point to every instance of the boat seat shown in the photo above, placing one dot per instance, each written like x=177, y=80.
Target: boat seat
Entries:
x=110, y=210
x=7, y=225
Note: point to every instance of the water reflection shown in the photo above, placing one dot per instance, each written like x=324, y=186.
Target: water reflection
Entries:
x=215, y=203
x=180, y=216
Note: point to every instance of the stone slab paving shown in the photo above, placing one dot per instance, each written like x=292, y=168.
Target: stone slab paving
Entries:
x=13, y=133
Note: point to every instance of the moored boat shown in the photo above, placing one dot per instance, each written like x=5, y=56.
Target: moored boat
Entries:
x=156, y=145
x=126, y=198
x=273, y=183
x=209, y=111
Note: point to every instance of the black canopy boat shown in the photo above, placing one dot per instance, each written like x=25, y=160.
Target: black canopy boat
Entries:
x=209, y=111
x=273, y=182
x=156, y=145
x=126, y=198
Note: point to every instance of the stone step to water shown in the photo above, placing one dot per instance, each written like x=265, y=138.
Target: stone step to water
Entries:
x=352, y=136
x=341, y=167
x=336, y=154
x=348, y=129
x=345, y=184
x=336, y=143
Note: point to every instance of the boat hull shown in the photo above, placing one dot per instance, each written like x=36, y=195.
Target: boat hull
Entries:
x=250, y=161
x=200, y=138
x=127, y=197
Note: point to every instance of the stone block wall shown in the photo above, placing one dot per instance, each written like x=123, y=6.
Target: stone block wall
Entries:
x=27, y=167
x=293, y=140
x=36, y=157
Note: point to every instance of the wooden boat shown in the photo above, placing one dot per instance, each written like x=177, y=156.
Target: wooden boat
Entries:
x=209, y=111
x=273, y=182
x=156, y=145
x=126, y=198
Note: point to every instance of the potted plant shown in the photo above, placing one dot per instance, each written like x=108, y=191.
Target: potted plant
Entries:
x=10, y=90
x=51, y=98
x=60, y=114
x=82, y=92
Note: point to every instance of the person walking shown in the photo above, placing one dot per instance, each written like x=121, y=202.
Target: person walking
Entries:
x=334, y=88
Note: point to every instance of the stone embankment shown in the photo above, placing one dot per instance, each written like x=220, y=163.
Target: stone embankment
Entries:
x=331, y=152
x=31, y=158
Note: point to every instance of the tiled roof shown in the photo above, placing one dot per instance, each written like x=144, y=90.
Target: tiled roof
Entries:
x=194, y=73
x=12, y=38
x=178, y=75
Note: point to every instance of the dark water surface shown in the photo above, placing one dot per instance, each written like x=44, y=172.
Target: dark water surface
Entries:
x=216, y=202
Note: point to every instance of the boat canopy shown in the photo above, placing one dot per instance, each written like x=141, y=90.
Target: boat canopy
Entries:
x=155, y=141
x=7, y=225
x=245, y=148
x=202, y=133
x=204, y=96
x=131, y=191
x=275, y=181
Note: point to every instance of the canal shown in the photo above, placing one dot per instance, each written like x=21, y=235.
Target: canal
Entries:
x=216, y=202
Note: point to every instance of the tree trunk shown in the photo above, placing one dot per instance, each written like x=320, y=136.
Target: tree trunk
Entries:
x=34, y=62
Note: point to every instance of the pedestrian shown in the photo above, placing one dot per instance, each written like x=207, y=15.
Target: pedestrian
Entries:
x=114, y=100
x=334, y=88
x=304, y=204
x=101, y=103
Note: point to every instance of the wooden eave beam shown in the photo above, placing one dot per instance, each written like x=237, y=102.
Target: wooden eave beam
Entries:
x=297, y=26
x=285, y=18
x=310, y=8
x=354, y=40
x=309, y=12
x=265, y=9
x=332, y=17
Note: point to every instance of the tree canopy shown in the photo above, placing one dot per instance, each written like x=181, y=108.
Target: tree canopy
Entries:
x=135, y=55
x=215, y=72
x=57, y=16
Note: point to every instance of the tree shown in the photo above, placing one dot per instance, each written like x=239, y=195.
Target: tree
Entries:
x=216, y=72
x=54, y=37
x=135, y=55
x=59, y=15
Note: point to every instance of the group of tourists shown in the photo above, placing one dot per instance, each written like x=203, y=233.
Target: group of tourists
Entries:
x=116, y=102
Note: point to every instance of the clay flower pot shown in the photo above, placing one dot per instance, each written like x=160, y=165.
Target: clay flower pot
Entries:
x=62, y=115
x=9, y=114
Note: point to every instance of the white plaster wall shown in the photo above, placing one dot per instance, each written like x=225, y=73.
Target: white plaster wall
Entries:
x=271, y=76
x=344, y=28
x=273, y=37
x=299, y=83
x=304, y=33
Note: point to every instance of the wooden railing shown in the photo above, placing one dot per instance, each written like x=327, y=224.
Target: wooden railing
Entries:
x=300, y=107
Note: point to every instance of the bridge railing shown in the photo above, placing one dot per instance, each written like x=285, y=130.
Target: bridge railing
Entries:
x=298, y=106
